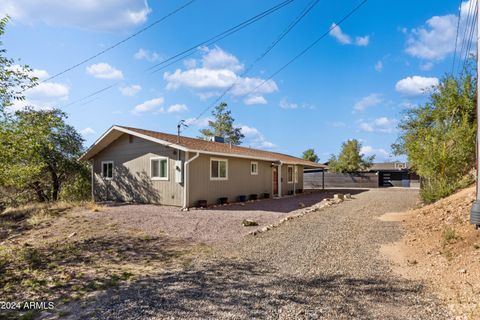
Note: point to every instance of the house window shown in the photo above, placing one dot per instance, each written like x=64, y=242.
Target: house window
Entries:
x=107, y=170
x=290, y=174
x=295, y=176
x=254, y=168
x=159, y=168
x=218, y=169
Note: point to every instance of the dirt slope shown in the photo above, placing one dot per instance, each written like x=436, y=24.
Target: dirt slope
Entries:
x=441, y=246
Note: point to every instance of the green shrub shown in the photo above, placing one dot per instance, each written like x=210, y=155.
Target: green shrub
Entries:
x=439, y=136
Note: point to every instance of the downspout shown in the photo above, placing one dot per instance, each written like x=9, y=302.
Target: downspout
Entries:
x=279, y=179
x=92, y=173
x=186, y=179
x=295, y=174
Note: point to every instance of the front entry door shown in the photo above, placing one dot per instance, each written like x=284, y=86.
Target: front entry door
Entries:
x=275, y=181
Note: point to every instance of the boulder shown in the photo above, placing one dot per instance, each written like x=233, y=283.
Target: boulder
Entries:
x=249, y=223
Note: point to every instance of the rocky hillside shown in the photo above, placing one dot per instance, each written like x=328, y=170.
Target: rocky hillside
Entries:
x=442, y=247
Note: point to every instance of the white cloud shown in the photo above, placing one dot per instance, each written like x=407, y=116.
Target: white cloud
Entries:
x=254, y=138
x=379, y=153
x=104, y=71
x=344, y=38
x=218, y=71
x=379, y=125
x=200, y=78
x=199, y=123
x=190, y=63
x=253, y=100
x=436, y=39
x=143, y=54
x=284, y=104
x=177, y=108
x=416, y=85
x=87, y=131
x=368, y=101
x=48, y=90
x=148, y=105
x=338, y=34
x=91, y=14
x=44, y=95
x=130, y=90
x=362, y=41
x=216, y=58
x=378, y=66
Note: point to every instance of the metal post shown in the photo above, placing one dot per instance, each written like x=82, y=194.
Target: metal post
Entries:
x=323, y=179
x=475, y=211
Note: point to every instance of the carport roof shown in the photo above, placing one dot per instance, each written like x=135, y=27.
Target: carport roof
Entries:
x=193, y=145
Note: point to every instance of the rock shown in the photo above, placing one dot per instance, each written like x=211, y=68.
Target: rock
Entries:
x=301, y=204
x=348, y=196
x=338, y=196
x=462, y=271
x=249, y=223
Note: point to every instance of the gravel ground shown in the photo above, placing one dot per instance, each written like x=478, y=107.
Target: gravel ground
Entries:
x=210, y=226
x=324, y=265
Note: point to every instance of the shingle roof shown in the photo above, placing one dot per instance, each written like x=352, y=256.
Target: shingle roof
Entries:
x=193, y=144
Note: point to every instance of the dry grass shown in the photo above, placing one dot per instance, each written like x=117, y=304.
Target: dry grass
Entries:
x=62, y=252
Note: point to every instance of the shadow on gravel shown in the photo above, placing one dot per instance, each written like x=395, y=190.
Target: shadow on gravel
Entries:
x=244, y=290
x=287, y=203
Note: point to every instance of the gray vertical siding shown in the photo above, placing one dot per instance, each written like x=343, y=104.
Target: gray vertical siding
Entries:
x=240, y=181
x=131, y=179
x=288, y=188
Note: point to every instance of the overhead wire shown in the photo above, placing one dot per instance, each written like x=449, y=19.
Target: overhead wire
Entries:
x=456, y=35
x=305, y=50
x=471, y=36
x=221, y=35
x=280, y=37
x=178, y=9
x=210, y=41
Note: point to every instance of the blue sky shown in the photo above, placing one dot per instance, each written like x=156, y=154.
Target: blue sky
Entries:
x=352, y=84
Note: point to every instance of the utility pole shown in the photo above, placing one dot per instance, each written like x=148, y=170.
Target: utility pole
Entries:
x=475, y=211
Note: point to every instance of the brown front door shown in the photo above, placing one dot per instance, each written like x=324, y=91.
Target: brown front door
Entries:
x=275, y=181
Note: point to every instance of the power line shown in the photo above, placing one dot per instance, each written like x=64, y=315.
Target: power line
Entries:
x=470, y=38
x=465, y=31
x=311, y=45
x=92, y=94
x=456, y=36
x=210, y=41
x=220, y=36
x=119, y=42
x=302, y=52
x=282, y=35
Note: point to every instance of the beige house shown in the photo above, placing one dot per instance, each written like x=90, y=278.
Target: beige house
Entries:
x=135, y=165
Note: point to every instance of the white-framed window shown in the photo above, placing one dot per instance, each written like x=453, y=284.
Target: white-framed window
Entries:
x=295, y=174
x=254, y=168
x=159, y=168
x=290, y=174
x=218, y=169
x=107, y=170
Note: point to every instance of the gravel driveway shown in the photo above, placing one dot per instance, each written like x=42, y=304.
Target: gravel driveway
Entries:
x=324, y=265
x=210, y=226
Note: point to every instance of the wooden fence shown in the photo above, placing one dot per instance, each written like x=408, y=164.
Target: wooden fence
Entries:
x=319, y=180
